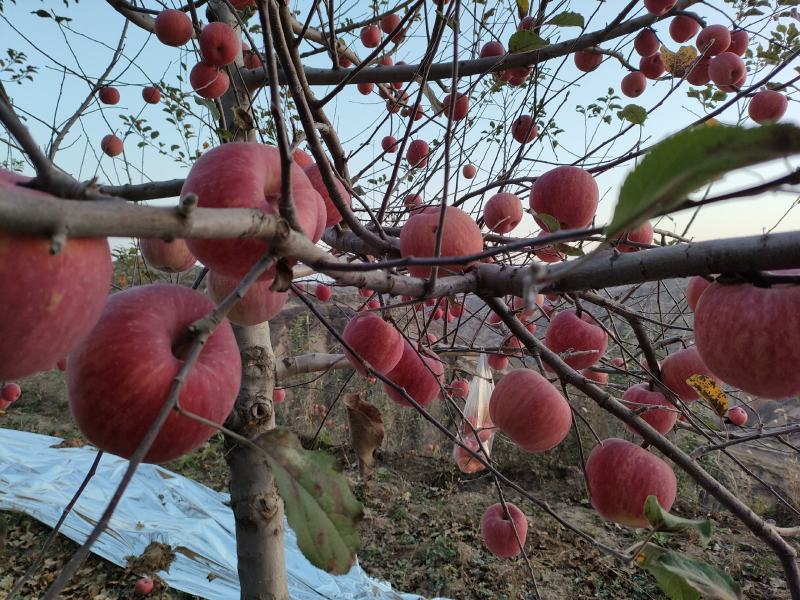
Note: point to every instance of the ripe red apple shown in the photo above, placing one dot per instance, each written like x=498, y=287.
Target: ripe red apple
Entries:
x=333, y=216
x=375, y=341
x=633, y=84
x=219, y=44
x=738, y=416
x=716, y=38
x=143, y=587
x=417, y=153
x=457, y=309
x=524, y=129
x=677, y=367
x=587, y=61
x=322, y=292
x=365, y=292
x=652, y=66
x=120, y=375
x=659, y=7
x=548, y=254
x=530, y=410
x=767, y=106
x=250, y=57
x=739, y=42
x=596, y=377
x=683, y=28
x=481, y=446
x=173, y=27
x=242, y=4
x=459, y=388
x=420, y=374
x=622, y=475
x=302, y=158
x=437, y=314
x=579, y=340
x=278, y=395
x=389, y=144
x=370, y=36
x=735, y=87
x=618, y=362
x=641, y=235
x=207, y=81
x=493, y=48
x=247, y=175
x=61, y=365
x=412, y=201
x=748, y=337
x=498, y=362
x=661, y=418
x=646, y=43
x=170, y=257
x=109, y=95
x=569, y=194
x=55, y=300
x=461, y=106
x=502, y=536
x=502, y=213
x=10, y=392
x=389, y=23
x=699, y=74
x=469, y=171
x=461, y=236
x=259, y=304
x=111, y=145
x=726, y=69
x=151, y=95
x=517, y=75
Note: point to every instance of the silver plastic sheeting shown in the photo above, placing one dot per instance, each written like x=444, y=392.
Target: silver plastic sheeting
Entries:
x=38, y=479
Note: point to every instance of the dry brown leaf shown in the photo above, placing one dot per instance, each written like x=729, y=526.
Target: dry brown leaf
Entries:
x=366, y=431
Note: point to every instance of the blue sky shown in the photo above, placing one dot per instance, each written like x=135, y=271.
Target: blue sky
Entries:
x=85, y=46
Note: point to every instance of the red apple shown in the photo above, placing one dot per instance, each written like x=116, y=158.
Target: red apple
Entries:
x=365, y=88
x=569, y=194
x=170, y=257
x=524, y=129
x=618, y=362
x=646, y=43
x=302, y=158
x=622, y=475
x=661, y=418
x=420, y=374
x=461, y=236
x=389, y=23
x=469, y=171
x=461, y=106
x=208, y=81
x=659, y=7
x=498, y=362
x=699, y=74
x=278, y=395
x=51, y=301
x=111, y=145
x=143, y=587
x=578, y=340
x=739, y=42
x=530, y=410
x=333, y=216
x=734, y=87
x=120, y=375
x=502, y=212
x=641, y=235
x=173, y=27
x=219, y=44
x=457, y=309
x=417, y=153
x=10, y=392
x=322, y=292
x=652, y=66
x=633, y=84
x=683, y=28
x=548, y=254
x=459, y=388
x=596, y=377
x=714, y=39
x=767, y=106
x=370, y=36
x=259, y=304
x=247, y=175
x=748, y=337
x=726, y=69
x=677, y=367
x=738, y=416
x=250, y=57
x=695, y=288
x=587, y=61
x=151, y=95
x=492, y=48
x=377, y=342
x=389, y=144
x=502, y=536
x=109, y=95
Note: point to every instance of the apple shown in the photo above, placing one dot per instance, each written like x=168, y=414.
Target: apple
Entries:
x=437, y=314
x=677, y=367
x=169, y=257
x=460, y=236
x=302, y=158
x=618, y=362
x=109, y=95
x=633, y=84
x=714, y=39
x=389, y=23
x=250, y=57
x=417, y=153
x=662, y=418
x=699, y=74
x=646, y=43
x=459, y=388
x=524, y=129
x=641, y=235
x=365, y=292
x=461, y=106
x=767, y=106
x=52, y=300
x=366, y=88
x=219, y=44
x=242, y=4
x=119, y=376
x=738, y=416
x=10, y=392
x=567, y=193
x=208, y=81
x=419, y=373
x=548, y=254
x=694, y=289
x=735, y=87
x=333, y=216
x=739, y=42
x=587, y=61
x=151, y=95
x=596, y=377
x=726, y=68
x=377, y=342
x=504, y=536
x=389, y=144
x=621, y=476
x=173, y=28
x=492, y=48
x=322, y=292
x=111, y=145
x=683, y=28
x=652, y=66
x=278, y=395
x=517, y=75
x=469, y=171
x=143, y=587
x=457, y=309
x=502, y=213
x=578, y=340
x=659, y=7
x=530, y=410
x=748, y=337
x=259, y=303
x=498, y=362
x=247, y=175
x=370, y=36
x=481, y=446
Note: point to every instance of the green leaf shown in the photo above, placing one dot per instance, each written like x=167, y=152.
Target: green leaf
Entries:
x=566, y=19
x=685, y=578
x=662, y=520
x=320, y=507
x=690, y=159
x=634, y=113
x=550, y=222
x=569, y=250
x=525, y=41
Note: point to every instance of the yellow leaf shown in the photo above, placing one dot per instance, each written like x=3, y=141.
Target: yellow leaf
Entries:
x=678, y=62
x=710, y=392
x=522, y=7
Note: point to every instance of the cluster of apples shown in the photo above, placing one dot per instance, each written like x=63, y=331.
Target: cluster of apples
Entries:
x=9, y=393
x=111, y=144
